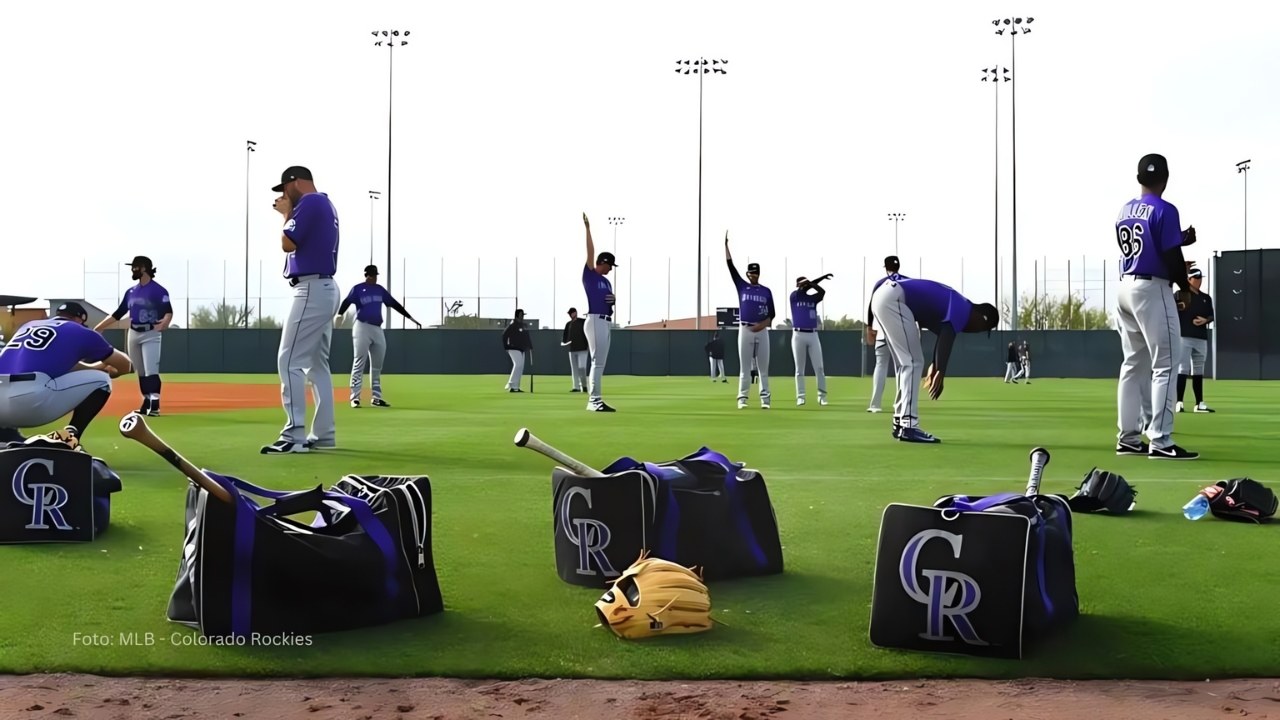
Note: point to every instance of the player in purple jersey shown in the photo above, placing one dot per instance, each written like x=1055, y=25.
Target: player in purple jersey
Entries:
x=368, y=342
x=310, y=241
x=600, y=301
x=903, y=306
x=57, y=366
x=755, y=312
x=1150, y=236
x=150, y=312
x=805, y=344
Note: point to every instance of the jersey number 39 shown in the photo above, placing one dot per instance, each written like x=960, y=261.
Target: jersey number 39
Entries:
x=1130, y=239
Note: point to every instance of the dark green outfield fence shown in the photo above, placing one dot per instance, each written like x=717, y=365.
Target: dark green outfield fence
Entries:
x=1054, y=353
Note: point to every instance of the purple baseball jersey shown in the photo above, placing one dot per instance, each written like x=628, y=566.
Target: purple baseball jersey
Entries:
x=368, y=299
x=597, y=287
x=804, y=309
x=934, y=304
x=1146, y=229
x=755, y=301
x=313, y=227
x=53, y=347
x=144, y=304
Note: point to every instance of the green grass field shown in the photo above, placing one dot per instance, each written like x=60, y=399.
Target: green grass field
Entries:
x=1161, y=597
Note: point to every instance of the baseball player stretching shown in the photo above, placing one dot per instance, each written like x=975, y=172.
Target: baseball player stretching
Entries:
x=310, y=241
x=804, y=334
x=1024, y=362
x=575, y=338
x=599, y=314
x=755, y=313
x=368, y=342
x=899, y=305
x=881, y=371
x=147, y=305
x=1195, y=316
x=57, y=366
x=1149, y=233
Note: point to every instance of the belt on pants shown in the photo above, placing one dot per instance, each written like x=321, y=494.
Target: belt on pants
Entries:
x=813, y=330
x=21, y=377
x=749, y=324
x=142, y=328
x=602, y=317
x=1151, y=277
x=293, y=281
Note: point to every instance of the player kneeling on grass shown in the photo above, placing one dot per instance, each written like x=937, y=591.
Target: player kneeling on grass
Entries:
x=905, y=305
x=57, y=366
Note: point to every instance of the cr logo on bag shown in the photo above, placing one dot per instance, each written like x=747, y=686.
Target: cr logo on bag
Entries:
x=946, y=595
x=590, y=535
x=45, y=499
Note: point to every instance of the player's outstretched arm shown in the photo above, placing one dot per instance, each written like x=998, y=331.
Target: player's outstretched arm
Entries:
x=591, y=246
x=114, y=317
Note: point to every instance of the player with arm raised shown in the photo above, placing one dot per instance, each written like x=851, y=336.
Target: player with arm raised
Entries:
x=903, y=306
x=1150, y=236
x=599, y=314
x=755, y=312
x=368, y=341
x=804, y=334
x=147, y=305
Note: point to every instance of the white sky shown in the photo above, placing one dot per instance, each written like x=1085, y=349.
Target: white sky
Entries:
x=124, y=128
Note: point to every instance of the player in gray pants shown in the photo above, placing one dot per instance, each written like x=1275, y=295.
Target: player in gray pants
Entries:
x=368, y=342
x=805, y=344
x=1195, y=316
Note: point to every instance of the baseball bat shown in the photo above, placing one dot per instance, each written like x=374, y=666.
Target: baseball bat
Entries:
x=526, y=439
x=135, y=428
x=1039, y=458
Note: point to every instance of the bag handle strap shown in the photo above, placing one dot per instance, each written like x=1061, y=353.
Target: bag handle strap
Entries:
x=963, y=504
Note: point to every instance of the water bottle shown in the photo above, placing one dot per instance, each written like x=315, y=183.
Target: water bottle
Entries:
x=1199, y=504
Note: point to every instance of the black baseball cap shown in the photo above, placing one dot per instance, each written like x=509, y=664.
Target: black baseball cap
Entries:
x=296, y=172
x=371, y=270
x=572, y=311
x=1194, y=273
x=801, y=279
x=753, y=268
x=72, y=308
x=1153, y=169
x=519, y=312
x=606, y=257
x=891, y=263
x=990, y=314
x=141, y=261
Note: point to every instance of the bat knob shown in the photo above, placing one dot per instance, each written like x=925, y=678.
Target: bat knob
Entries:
x=129, y=422
x=1039, y=451
x=522, y=437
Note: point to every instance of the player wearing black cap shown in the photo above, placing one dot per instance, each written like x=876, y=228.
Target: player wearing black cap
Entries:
x=1195, y=316
x=575, y=338
x=755, y=313
x=150, y=312
x=881, y=371
x=600, y=300
x=368, y=342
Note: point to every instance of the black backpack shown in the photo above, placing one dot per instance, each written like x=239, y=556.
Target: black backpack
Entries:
x=1244, y=500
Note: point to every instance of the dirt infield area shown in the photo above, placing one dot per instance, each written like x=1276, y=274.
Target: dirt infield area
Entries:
x=88, y=696
x=202, y=397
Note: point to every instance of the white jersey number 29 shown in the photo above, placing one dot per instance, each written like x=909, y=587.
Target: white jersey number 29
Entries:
x=1130, y=239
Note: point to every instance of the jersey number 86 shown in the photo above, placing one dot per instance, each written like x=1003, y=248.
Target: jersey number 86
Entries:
x=1130, y=239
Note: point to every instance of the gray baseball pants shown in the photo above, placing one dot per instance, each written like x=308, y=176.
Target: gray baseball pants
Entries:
x=369, y=350
x=304, y=353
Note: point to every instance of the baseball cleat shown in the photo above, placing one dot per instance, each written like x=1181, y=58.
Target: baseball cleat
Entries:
x=742, y=404
x=379, y=402
x=600, y=407
x=315, y=443
x=874, y=410
x=1202, y=408
x=916, y=435
x=284, y=447
x=764, y=405
x=897, y=430
x=1179, y=407
x=575, y=390
x=514, y=390
x=1173, y=452
x=725, y=380
x=799, y=401
x=355, y=403
x=822, y=401
x=1138, y=448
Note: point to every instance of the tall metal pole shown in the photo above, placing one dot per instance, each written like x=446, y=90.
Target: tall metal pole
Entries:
x=699, y=67
x=1015, y=26
x=994, y=75
x=248, y=152
x=1243, y=167
x=373, y=195
x=391, y=38
x=896, y=218
x=615, y=222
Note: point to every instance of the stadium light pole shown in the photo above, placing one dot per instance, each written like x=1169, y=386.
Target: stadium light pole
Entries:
x=389, y=38
x=615, y=222
x=896, y=218
x=373, y=195
x=248, y=153
x=1242, y=167
x=994, y=75
x=699, y=67
x=1014, y=26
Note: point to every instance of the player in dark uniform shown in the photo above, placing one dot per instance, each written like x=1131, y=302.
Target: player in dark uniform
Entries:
x=575, y=338
x=1195, y=317
x=715, y=353
x=1150, y=236
x=1011, y=364
x=516, y=341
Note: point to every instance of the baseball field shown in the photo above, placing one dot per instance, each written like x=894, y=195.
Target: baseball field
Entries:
x=1161, y=597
